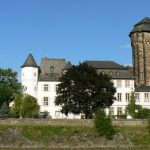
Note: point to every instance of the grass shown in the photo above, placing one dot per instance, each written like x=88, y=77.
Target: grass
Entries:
x=136, y=135
x=36, y=132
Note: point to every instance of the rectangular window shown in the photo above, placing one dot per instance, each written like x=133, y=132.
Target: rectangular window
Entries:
x=146, y=97
x=45, y=87
x=119, y=97
x=111, y=111
x=127, y=83
x=119, y=83
x=45, y=101
x=127, y=97
x=57, y=113
x=137, y=97
x=119, y=111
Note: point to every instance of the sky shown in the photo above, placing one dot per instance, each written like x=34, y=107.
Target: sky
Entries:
x=76, y=30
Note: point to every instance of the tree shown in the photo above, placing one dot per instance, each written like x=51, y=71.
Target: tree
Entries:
x=103, y=124
x=132, y=108
x=82, y=90
x=29, y=107
x=9, y=85
x=16, y=107
x=4, y=110
x=24, y=106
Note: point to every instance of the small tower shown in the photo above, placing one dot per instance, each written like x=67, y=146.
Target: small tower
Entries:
x=29, y=76
x=140, y=42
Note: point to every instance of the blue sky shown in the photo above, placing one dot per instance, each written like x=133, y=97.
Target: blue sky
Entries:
x=76, y=30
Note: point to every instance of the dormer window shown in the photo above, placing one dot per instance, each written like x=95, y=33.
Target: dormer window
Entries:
x=103, y=72
x=118, y=73
x=111, y=73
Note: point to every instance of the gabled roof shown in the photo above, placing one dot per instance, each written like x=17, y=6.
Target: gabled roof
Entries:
x=104, y=64
x=142, y=88
x=30, y=62
x=142, y=26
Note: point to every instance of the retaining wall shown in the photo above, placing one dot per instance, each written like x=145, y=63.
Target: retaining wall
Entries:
x=87, y=122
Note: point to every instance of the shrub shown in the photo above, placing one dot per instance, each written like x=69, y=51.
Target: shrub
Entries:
x=4, y=110
x=103, y=124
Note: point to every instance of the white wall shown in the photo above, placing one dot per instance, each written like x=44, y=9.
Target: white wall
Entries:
x=29, y=76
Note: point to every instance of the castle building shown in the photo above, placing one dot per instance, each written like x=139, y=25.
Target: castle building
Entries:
x=41, y=81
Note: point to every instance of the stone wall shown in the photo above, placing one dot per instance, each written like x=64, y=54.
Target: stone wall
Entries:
x=86, y=122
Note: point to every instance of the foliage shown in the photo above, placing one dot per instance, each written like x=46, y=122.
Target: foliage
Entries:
x=24, y=106
x=103, y=124
x=143, y=113
x=29, y=107
x=15, y=110
x=132, y=108
x=4, y=110
x=82, y=90
x=9, y=85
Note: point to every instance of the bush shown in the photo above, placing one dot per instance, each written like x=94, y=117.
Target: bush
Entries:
x=143, y=113
x=103, y=124
x=29, y=107
x=4, y=110
x=24, y=106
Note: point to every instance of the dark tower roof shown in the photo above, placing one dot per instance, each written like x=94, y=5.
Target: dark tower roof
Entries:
x=30, y=62
x=142, y=26
x=68, y=65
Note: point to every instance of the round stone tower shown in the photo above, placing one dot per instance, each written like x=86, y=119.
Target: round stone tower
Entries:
x=140, y=42
x=30, y=76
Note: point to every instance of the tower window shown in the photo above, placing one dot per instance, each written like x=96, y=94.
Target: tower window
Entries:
x=34, y=74
x=141, y=74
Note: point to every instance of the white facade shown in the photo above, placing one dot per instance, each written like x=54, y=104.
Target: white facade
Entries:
x=124, y=88
x=45, y=90
x=30, y=80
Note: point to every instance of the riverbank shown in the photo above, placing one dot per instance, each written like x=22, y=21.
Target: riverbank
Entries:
x=71, y=136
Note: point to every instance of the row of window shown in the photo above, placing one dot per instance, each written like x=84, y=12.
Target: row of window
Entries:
x=137, y=97
x=46, y=88
x=119, y=110
x=35, y=74
x=119, y=97
x=119, y=84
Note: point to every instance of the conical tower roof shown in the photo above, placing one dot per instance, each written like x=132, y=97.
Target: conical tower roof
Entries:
x=68, y=65
x=30, y=62
x=142, y=26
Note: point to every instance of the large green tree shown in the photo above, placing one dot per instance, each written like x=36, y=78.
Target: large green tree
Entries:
x=9, y=85
x=82, y=90
x=24, y=106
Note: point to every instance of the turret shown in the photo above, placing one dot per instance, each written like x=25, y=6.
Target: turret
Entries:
x=29, y=76
x=140, y=42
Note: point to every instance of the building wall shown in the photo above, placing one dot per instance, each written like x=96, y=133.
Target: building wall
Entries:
x=29, y=76
x=124, y=88
x=140, y=43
